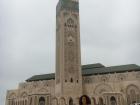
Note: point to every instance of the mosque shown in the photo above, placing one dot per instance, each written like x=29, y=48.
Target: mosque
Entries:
x=73, y=83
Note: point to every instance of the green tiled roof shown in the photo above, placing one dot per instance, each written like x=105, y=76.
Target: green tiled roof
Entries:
x=92, y=69
x=90, y=66
x=42, y=77
x=112, y=69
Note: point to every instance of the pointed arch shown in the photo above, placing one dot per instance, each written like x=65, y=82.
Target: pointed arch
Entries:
x=41, y=101
x=24, y=94
x=70, y=101
x=101, y=101
x=12, y=95
x=101, y=88
x=70, y=21
x=71, y=80
x=133, y=94
x=113, y=100
x=42, y=90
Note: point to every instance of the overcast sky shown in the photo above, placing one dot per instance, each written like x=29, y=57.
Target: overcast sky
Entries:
x=110, y=34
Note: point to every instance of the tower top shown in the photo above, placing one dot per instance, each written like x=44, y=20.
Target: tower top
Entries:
x=70, y=0
x=68, y=5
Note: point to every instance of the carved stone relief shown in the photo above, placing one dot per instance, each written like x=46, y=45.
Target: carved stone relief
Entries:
x=99, y=89
x=121, y=77
x=104, y=78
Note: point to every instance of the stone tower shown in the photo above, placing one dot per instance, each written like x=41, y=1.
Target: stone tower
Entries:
x=68, y=55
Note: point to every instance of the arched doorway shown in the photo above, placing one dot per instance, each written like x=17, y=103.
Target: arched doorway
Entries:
x=71, y=101
x=133, y=94
x=101, y=102
x=113, y=100
x=41, y=101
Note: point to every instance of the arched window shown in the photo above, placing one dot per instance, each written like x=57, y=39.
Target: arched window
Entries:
x=71, y=80
x=70, y=21
x=113, y=100
x=71, y=101
x=41, y=101
x=133, y=94
x=77, y=81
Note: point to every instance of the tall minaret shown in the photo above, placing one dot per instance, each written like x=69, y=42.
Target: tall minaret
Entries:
x=68, y=55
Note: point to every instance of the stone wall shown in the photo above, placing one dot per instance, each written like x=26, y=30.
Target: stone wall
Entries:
x=29, y=93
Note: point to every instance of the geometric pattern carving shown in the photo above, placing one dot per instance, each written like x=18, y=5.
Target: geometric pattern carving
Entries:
x=24, y=94
x=71, y=46
x=12, y=95
x=133, y=94
x=132, y=87
x=138, y=75
x=101, y=88
x=42, y=90
x=87, y=80
x=104, y=78
x=121, y=77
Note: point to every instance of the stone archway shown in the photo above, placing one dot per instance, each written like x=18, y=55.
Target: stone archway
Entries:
x=12, y=97
x=132, y=94
x=41, y=101
x=101, y=102
x=113, y=98
x=113, y=101
x=70, y=101
x=24, y=94
x=101, y=88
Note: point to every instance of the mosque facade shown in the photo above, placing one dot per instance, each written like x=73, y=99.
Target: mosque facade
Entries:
x=100, y=85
